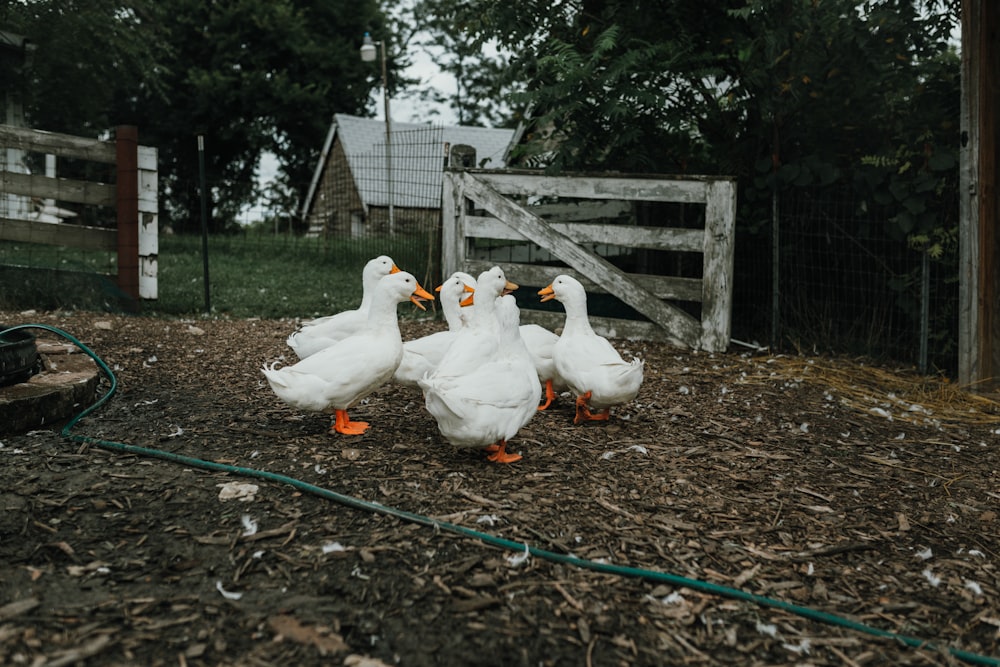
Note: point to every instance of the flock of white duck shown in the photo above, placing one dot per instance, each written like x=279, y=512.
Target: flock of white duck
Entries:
x=482, y=379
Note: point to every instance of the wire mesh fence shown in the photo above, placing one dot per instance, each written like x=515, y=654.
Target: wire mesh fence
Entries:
x=387, y=197
x=838, y=280
x=847, y=283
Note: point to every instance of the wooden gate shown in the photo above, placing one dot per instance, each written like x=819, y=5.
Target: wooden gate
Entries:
x=503, y=205
x=134, y=198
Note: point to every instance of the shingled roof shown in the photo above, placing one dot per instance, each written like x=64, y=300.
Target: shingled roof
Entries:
x=418, y=152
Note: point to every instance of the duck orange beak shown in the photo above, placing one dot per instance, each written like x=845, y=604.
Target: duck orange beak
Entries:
x=469, y=300
x=394, y=269
x=509, y=287
x=547, y=293
x=418, y=295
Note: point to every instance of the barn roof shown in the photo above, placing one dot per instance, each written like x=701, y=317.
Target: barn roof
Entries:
x=418, y=153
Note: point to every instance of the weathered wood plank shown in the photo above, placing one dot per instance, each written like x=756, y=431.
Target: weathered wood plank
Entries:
x=63, y=145
x=664, y=287
x=978, y=307
x=453, y=224
x=149, y=240
x=720, y=216
x=50, y=233
x=652, y=238
x=609, y=327
x=576, y=211
x=692, y=190
x=60, y=189
x=679, y=326
x=522, y=227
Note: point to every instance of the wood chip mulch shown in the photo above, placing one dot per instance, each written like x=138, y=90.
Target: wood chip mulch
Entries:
x=838, y=489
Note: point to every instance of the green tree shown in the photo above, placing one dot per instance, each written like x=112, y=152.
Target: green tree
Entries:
x=85, y=55
x=776, y=89
x=250, y=75
x=484, y=79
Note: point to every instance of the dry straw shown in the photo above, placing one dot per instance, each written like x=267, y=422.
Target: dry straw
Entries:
x=900, y=394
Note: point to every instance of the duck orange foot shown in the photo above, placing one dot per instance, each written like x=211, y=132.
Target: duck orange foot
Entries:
x=550, y=394
x=500, y=455
x=343, y=424
x=583, y=412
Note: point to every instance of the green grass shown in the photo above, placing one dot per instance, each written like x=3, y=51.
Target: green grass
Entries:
x=249, y=276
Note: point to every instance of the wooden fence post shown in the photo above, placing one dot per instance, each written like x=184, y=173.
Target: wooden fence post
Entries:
x=149, y=247
x=127, y=204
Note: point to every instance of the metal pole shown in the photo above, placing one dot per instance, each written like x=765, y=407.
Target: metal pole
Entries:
x=204, y=221
x=775, y=241
x=388, y=140
x=775, y=272
x=925, y=310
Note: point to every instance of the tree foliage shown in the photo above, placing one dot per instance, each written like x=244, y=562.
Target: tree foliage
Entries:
x=779, y=93
x=250, y=75
x=84, y=55
x=483, y=77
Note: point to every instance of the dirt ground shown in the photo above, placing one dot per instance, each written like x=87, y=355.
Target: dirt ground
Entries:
x=824, y=485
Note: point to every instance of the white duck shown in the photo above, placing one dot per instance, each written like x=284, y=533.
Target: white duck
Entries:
x=477, y=342
x=459, y=317
x=422, y=355
x=337, y=377
x=488, y=404
x=314, y=335
x=540, y=343
x=590, y=365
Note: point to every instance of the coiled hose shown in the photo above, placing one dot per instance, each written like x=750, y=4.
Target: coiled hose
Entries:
x=357, y=503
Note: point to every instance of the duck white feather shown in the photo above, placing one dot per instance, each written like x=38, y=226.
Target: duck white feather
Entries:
x=488, y=403
x=540, y=343
x=592, y=368
x=458, y=316
x=316, y=334
x=338, y=376
x=422, y=355
x=477, y=342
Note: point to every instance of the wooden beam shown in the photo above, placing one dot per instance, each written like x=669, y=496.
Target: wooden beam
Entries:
x=54, y=233
x=986, y=192
x=979, y=314
x=681, y=327
x=127, y=188
x=664, y=287
x=652, y=238
x=63, y=145
x=60, y=189
x=677, y=189
x=720, y=250
x=149, y=240
x=609, y=327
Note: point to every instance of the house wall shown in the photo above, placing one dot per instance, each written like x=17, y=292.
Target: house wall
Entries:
x=337, y=209
x=405, y=220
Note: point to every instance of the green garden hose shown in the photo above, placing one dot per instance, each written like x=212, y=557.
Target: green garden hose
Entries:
x=356, y=503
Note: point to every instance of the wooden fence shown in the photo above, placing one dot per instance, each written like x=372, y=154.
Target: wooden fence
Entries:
x=134, y=197
x=494, y=205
